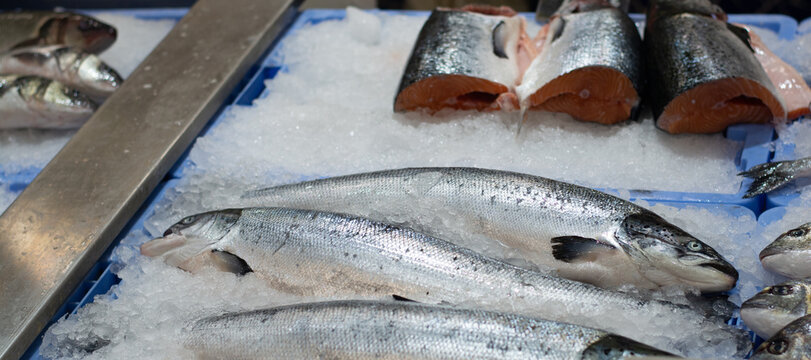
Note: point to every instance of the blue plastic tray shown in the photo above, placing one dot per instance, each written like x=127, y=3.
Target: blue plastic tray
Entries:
x=782, y=197
x=101, y=278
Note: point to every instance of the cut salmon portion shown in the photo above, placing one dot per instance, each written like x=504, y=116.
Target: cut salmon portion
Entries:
x=454, y=91
x=596, y=93
x=786, y=80
x=712, y=106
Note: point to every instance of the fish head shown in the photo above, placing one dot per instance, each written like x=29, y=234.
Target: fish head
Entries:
x=791, y=342
x=789, y=253
x=189, y=237
x=611, y=347
x=776, y=306
x=668, y=255
x=63, y=106
x=98, y=77
x=73, y=29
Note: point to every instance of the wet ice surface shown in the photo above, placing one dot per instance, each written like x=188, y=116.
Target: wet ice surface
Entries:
x=154, y=300
x=136, y=39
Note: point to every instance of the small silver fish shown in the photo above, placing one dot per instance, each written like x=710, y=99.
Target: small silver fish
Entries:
x=398, y=330
x=583, y=234
x=774, y=175
x=38, y=28
x=69, y=65
x=312, y=253
x=776, y=306
x=793, y=342
x=35, y=102
x=790, y=254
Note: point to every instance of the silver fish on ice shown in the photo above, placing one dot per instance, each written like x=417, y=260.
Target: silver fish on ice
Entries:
x=397, y=330
x=69, y=65
x=312, y=253
x=790, y=254
x=792, y=342
x=585, y=235
x=774, y=175
x=35, y=102
x=776, y=306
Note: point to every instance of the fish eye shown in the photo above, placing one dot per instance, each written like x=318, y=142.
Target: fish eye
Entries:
x=777, y=347
x=188, y=220
x=781, y=290
x=695, y=246
x=86, y=24
x=796, y=233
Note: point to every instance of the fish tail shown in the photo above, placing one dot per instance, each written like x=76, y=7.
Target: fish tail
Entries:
x=767, y=177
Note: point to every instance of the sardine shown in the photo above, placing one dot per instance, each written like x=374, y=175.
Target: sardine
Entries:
x=462, y=60
x=774, y=175
x=388, y=330
x=790, y=254
x=584, y=234
x=70, y=66
x=703, y=73
x=35, y=102
x=39, y=28
x=776, y=306
x=318, y=254
x=793, y=342
x=589, y=66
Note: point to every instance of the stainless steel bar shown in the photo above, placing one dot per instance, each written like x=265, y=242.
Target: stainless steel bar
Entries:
x=65, y=219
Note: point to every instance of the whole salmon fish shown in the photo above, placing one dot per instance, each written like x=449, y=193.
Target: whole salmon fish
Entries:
x=584, y=234
x=336, y=256
x=375, y=330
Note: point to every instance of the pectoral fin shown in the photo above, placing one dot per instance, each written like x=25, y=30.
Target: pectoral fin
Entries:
x=228, y=262
x=574, y=248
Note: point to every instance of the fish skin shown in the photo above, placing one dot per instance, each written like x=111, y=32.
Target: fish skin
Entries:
x=774, y=175
x=455, y=43
x=707, y=51
x=35, y=102
x=38, y=28
x=374, y=330
x=793, y=342
x=516, y=210
x=790, y=254
x=70, y=66
x=598, y=39
x=776, y=306
x=318, y=254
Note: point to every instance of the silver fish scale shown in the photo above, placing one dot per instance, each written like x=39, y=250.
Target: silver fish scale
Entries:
x=323, y=254
x=373, y=330
x=521, y=211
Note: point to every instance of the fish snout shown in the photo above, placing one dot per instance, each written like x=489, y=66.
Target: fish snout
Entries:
x=708, y=274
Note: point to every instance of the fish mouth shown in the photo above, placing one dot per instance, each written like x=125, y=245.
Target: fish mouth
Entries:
x=756, y=303
x=724, y=268
x=769, y=251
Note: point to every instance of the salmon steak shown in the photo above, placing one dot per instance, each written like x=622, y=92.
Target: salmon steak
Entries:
x=589, y=67
x=703, y=73
x=465, y=60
